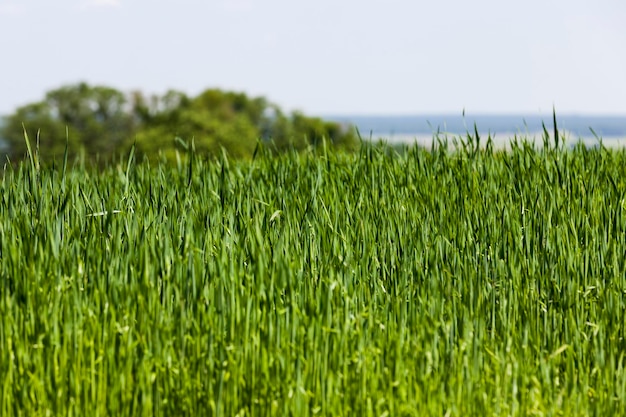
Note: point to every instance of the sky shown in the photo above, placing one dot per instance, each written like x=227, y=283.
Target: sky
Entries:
x=327, y=57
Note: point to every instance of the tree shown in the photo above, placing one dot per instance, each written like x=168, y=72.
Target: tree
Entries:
x=311, y=131
x=95, y=119
x=105, y=122
x=214, y=119
x=234, y=121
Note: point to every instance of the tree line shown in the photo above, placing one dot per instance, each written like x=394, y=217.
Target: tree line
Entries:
x=102, y=122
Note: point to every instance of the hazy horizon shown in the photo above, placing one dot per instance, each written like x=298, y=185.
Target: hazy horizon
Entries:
x=422, y=128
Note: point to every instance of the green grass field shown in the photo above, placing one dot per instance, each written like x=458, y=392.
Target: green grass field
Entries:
x=427, y=283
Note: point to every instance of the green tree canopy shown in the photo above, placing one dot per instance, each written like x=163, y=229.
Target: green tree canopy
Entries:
x=102, y=121
x=95, y=119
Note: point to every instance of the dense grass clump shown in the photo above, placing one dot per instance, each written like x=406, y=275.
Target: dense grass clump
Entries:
x=428, y=282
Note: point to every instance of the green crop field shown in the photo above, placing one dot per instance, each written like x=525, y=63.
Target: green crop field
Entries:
x=429, y=282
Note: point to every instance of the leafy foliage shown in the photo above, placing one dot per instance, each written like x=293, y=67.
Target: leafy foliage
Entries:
x=93, y=119
x=104, y=122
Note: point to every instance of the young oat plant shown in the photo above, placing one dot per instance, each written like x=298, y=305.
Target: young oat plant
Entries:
x=449, y=281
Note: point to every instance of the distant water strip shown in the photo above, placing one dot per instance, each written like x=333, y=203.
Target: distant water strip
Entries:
x=502, y=128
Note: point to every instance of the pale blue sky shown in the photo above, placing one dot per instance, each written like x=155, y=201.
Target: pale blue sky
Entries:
x=328, y=57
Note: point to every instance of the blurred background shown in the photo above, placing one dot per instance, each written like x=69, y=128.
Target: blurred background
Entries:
x=399, y=69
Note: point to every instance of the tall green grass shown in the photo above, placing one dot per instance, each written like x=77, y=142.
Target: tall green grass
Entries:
x=430, y=282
